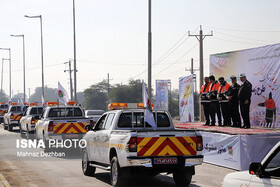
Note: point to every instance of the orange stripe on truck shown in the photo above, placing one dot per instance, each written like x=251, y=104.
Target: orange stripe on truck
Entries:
x=16, y=117
x=166, y=146
x=69, y=128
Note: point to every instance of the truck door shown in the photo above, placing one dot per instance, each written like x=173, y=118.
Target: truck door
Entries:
x=94, y=146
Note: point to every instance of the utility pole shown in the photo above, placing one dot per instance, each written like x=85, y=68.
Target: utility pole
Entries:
x=108, y=85
x=192, y=70
x=200, y=38
x=70, y=75
x=29, y=95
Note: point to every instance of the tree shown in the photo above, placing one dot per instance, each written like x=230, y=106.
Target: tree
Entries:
x=95, y=97
x=173, y=103
x=131, y=93
x=50, y=95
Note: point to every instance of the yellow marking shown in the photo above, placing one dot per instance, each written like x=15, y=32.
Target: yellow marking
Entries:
x=143, y=143
x=80, y=127
x=4, y=181
x=166, y=150
x=180, y=146
x=191, y=142
x=154, y=146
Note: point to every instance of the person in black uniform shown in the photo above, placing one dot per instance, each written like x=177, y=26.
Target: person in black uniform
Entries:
x=205, y=101
x=244, y=98
x=232, y=96
x=214, y=103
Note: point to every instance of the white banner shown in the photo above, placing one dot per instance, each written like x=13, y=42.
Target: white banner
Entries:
x=221, y=149
x=262, y=68
x=236, y=151
x=186, y=103
x=162, y=94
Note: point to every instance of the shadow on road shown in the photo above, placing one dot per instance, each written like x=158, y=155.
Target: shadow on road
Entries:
x=159, y=180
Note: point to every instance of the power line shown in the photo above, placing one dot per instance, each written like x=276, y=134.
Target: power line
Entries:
x=236, y=30
x=238, y=41
x=243, y=37
x=177, y=60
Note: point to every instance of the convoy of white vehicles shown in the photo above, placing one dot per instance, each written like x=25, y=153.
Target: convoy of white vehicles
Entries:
x=122, y=143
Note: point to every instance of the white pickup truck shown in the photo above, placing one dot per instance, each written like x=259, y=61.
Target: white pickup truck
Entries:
x=3, y=110
x=13, y=116
x=60, y=123
x=29, y=118
x=261, y=174
x=122, y=143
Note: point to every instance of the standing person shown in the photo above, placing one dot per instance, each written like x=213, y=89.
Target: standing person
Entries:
x=214, y=103
x=270, y=106
x=244, y=98
x=232, y=96
x=224, y=102
x=205, y=102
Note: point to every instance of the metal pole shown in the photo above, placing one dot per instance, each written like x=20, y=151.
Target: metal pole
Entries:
x=150, y=55
x=2, y=77
x=42, y=56
x=10, y=73
x=201, y=56
x=75, y=66
x=71, y=86
x=23, y=69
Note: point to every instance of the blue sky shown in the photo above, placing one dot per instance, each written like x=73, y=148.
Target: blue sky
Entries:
x=112, y=37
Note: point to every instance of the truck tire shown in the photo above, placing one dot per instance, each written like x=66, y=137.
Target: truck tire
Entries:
x=5, y=126
x=27, y=133
x=182, y=177
x=10, y=127
x=87, y=169
x=115, y=172
x=21, y=132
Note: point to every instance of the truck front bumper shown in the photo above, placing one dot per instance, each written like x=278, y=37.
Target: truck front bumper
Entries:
x=148, y=162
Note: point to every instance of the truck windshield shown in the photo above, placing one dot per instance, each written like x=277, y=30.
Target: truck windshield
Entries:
x=3, y=106
x=65, y=112
x=126, y=120
x=36, y=110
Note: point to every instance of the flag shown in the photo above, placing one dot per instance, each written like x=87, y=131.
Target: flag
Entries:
x=21, y=104
x=9, y=101
x=62, y=95
x=148, y=114
x=43, y=101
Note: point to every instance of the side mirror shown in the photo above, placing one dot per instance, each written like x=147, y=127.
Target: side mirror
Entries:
x=255, y=168
x=88, y=127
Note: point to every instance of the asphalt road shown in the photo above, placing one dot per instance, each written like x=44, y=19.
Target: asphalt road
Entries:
x=54, y=171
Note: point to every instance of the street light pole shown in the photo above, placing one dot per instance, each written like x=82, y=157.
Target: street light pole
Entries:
x=22, y=35
x=42, y=55
x=10, y=69
x=75, y=65
x=149, y=53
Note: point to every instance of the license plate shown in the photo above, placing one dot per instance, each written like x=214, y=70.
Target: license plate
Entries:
x=165, y=160
x=71, y=136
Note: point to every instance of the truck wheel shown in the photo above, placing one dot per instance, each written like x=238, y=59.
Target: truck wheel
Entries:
x=10, y=127
x=182, y=177
x=5, y=126
x=46, y=143
x=27, y=133
x=87, y=169
x=115, y=172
